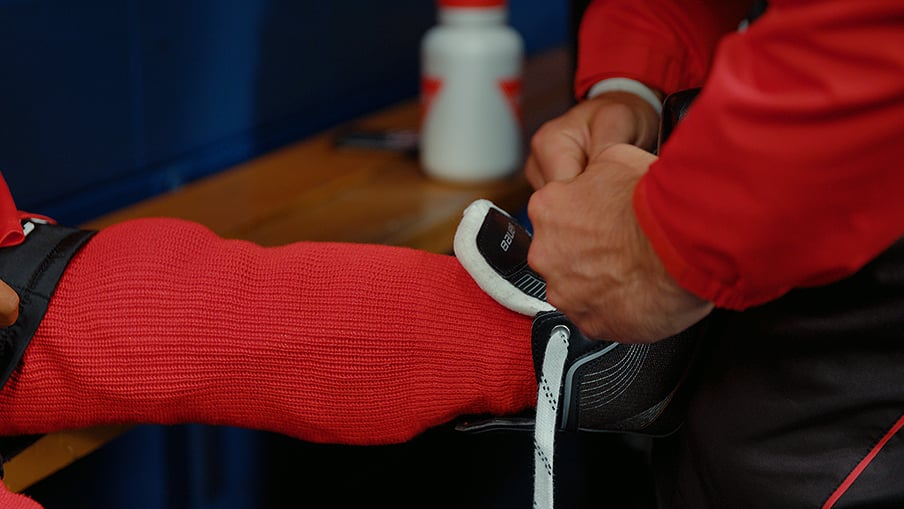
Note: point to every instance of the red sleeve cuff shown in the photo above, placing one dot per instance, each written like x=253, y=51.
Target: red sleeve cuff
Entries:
x=666, y=45
x=636, y=62
x=691, y=279
x=673, y=262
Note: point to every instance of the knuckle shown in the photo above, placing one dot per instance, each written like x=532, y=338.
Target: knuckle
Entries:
x=554, y=298
x=532, y=174
x=535, y=259
x=536, y=206
x=538, y=140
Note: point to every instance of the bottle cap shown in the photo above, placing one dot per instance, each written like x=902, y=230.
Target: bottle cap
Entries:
x=473, y=4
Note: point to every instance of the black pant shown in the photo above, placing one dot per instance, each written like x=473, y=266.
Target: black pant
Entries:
x=795, y=394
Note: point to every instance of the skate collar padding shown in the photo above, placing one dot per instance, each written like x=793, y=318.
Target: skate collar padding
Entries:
x=492, y=247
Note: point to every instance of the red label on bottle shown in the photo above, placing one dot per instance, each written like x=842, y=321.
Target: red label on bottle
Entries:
x=511, y=88
x=429, y=88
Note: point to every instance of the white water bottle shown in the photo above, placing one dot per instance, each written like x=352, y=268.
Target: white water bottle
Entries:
x=471, y=65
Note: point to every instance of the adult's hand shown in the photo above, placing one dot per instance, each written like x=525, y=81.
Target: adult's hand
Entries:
x=562, y=147
x=9, y=305
x=601, y=270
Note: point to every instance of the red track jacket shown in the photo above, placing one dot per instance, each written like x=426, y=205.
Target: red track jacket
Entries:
x=787, y=172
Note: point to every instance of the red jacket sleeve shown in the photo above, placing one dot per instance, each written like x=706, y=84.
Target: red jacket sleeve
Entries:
x=787, y=171
x=666, y=44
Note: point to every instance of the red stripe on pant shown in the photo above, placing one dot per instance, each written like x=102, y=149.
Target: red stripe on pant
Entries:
x=864, y=463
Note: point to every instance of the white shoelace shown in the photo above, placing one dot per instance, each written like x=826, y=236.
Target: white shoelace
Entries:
x=547, y=410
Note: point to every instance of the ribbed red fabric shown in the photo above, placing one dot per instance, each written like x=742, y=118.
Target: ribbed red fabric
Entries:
x=161, y=321
x=9, y=500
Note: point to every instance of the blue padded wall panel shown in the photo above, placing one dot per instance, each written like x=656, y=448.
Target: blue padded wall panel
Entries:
x=65, y=96
x=544, y=24
x=105, y=102
x=163, y=467
x=197, y=62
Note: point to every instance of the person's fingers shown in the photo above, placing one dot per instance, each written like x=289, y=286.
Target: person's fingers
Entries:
x=557, y=154
x=532, y=173
x=622, y=118
x=613, y=124
x=599, y=266
x=9, y=305
x=563, y=147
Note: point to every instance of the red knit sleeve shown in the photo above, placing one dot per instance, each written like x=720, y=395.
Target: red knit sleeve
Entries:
x=161, y=321
x=787, y=171
x=10, y=500
x=666, y=44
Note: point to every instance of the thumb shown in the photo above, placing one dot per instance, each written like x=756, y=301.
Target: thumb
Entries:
x=621, y=117
x=557, y=154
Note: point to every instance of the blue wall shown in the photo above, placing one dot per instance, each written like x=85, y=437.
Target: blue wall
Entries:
x=105, y=102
